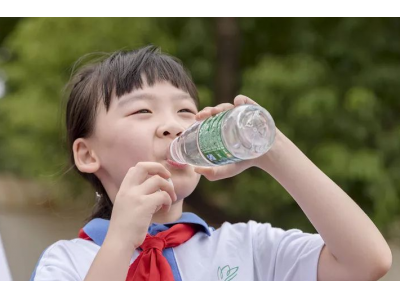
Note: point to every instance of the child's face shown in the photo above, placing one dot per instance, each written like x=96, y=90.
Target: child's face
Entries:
x=139, y=127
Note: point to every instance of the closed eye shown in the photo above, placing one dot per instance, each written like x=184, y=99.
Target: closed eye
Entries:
x=145, y=111
x=142, y=111
x=187, y=110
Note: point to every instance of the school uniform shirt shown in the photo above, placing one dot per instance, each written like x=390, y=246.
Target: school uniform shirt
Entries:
x=241, y=251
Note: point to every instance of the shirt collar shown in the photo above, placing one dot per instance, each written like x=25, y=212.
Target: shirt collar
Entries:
x=97, y=229
x=186, y=218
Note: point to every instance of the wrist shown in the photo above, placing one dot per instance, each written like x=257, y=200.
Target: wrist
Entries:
x=267, y=161
x=118, y=243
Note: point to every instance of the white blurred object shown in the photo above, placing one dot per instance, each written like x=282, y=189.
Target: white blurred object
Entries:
x=170, y=181
x=2, y=88
x=5, y=274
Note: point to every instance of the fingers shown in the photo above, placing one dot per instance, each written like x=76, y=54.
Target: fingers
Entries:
x=212, y=111
x=139, y=173
x=159, y=200
x=241, y=99
x=155, y=184
x=222, y=172
x=149, y=179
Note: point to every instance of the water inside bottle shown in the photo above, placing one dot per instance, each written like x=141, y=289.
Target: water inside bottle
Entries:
x=250, y=133
x=189, y=148
x=253, y=129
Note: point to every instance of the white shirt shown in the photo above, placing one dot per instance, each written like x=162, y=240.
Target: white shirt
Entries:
x=242, y=251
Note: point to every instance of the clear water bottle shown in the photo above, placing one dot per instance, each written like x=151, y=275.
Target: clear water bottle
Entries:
x=244, y=132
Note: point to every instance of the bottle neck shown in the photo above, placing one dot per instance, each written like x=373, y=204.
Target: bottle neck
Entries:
x=175, y=153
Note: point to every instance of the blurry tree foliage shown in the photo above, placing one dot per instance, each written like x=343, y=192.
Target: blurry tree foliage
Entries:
x=332, y=86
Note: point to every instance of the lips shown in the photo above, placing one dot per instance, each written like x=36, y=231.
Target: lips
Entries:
x=176, y=164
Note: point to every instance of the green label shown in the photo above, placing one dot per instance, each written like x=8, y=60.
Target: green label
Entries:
x=211, y=144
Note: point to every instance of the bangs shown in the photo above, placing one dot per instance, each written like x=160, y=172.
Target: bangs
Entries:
x=123, y=72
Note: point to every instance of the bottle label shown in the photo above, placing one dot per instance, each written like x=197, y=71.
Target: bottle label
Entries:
x=211, y=144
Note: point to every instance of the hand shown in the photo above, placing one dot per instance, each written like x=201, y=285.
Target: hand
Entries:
x=143, y=192
x=226, y=171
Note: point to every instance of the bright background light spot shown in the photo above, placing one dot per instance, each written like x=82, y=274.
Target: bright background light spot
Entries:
x=2, y=88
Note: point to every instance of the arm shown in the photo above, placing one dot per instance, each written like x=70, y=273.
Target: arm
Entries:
x=354, y=248
x=138, y=199
x=111, y=262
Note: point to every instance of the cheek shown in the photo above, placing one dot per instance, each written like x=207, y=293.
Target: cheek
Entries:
x=126, y=148
x=138, y=150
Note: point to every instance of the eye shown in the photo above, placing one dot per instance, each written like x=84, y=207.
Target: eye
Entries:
x=142, y=111
x=187, y=110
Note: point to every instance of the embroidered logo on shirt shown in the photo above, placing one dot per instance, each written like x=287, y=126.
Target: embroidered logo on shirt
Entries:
x=227, y=273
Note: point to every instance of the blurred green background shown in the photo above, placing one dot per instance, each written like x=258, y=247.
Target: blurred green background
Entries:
x=331, y=84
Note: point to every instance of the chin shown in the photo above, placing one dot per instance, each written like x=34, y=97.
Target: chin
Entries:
x=185, y=183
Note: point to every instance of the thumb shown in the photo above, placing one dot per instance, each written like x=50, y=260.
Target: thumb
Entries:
x=212, y=173
x=241, y=99
x=205, y=171
x=221, y=172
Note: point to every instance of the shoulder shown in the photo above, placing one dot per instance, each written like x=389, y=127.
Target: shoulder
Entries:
x=250, y=227
x=64, y=260
x=249, y=235
x=66, y=247
x=264, y=235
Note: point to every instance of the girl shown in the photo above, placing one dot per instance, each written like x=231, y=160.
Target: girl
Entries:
x=121, y=116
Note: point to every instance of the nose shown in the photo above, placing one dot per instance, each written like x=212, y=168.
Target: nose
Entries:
x=171, y=130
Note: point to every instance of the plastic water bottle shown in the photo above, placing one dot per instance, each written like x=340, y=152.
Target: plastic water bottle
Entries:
x=244, y=132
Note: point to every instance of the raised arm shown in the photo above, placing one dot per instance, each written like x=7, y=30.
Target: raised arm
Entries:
x=354, y=248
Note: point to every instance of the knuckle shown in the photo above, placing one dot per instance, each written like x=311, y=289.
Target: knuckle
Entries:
x=124, y=193
x=163, y=196
x=158, y=179
x=167, y=197
x=210, y=178
x=163, y=181
x=140, y=164
x=141, y=201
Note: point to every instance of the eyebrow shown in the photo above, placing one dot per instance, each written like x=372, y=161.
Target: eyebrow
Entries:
x=146, y=96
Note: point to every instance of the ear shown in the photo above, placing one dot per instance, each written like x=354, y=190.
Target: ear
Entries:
x=85, y=158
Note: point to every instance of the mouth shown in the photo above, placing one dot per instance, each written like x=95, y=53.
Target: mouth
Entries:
x=176, y=164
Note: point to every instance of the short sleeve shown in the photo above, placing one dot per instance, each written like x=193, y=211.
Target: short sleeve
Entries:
x=56, y=264
x=286, y=255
